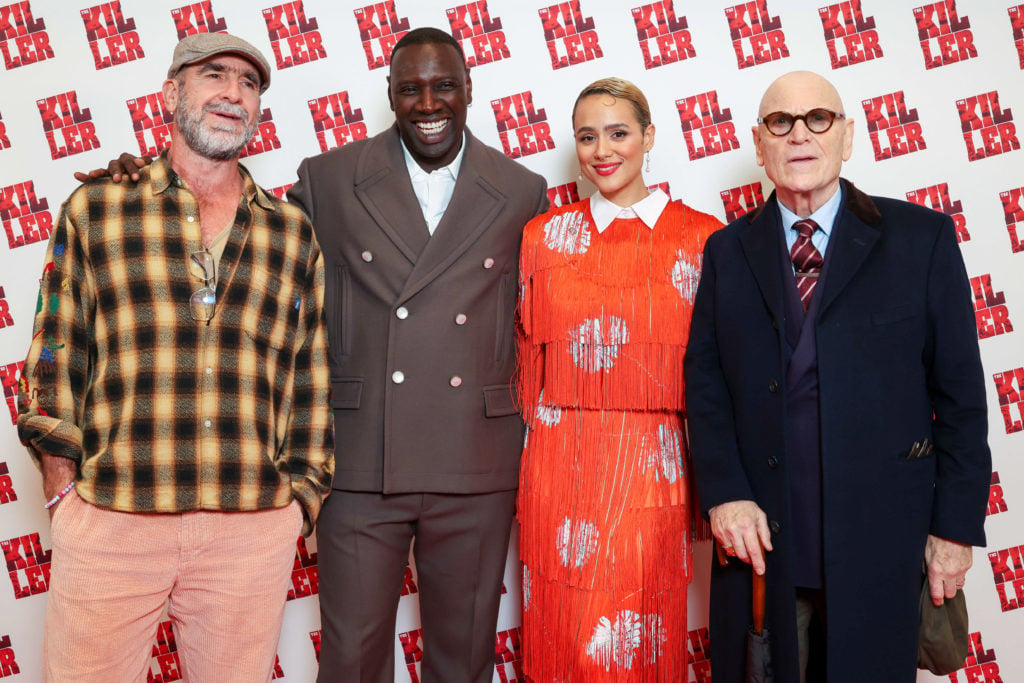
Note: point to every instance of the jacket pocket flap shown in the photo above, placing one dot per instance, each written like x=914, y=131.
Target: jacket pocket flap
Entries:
x=346, y=392
x=892, y=315
x=498, y=401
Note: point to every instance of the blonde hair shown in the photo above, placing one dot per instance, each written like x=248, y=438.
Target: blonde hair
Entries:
x=622, y=89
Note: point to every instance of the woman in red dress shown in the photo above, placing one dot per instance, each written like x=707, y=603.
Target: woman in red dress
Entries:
x=607, y=287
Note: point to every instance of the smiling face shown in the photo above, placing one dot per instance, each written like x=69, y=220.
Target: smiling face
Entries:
x=803, y=165
x=610, y=145
x=429, y=89
x=216, y=105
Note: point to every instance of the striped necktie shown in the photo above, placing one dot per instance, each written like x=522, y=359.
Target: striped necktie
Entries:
x=806, y=260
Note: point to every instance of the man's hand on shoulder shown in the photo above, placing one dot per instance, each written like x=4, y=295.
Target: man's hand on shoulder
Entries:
x=125, y=165
x=947, y=563
x=741, y=528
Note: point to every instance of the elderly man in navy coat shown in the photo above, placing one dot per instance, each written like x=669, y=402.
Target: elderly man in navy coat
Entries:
x=836, y=408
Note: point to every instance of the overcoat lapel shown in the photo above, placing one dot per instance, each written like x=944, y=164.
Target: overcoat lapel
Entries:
x=856, y=232
x=384, y=188
x=760, y=243
x=475, y=204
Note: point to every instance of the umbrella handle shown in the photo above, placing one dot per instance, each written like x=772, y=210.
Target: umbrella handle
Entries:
x=758, y=602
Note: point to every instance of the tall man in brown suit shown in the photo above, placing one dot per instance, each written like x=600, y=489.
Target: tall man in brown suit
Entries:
x=420, y=229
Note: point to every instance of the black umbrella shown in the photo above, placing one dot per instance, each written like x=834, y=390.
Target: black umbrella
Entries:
x=759, y=650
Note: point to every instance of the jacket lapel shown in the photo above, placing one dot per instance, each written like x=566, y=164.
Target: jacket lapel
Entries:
x=474, y=206
x=760, y=243
x=383, y=187
x=857, y=231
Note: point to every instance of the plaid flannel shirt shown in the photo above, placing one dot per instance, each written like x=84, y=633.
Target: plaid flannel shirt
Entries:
x=163, y=413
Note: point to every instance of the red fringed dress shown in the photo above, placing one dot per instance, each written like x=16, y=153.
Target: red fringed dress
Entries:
x=602, y=506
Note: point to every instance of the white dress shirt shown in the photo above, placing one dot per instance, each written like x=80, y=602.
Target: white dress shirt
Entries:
x=825, y=217
x=647, y=209
x=434, y=189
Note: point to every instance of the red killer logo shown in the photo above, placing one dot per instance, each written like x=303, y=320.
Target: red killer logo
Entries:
x=1014, y=214
x=996, y=504
x=893, y=128
x=281, y=191
x=28, y=565
x=523, y=129
x=708, y=129
x=479, y=34
x=850, y=37
x=294, y=38
x=1010, y=393
x=151, y=122
x=1017, y=24
x=69, y=130
x=9, y=382
x=112, y=38
x=570, y=36
x=380, y=28
x=165, y=656
x=335, y=122
x=508, y=655
x=314, y=637
x=757, y=37
x=945, y=37
x=663, y=186
x=664, y=38
x=277, y=671
x=990, y=311
x=987, y=129
x=560, y=195
x=197, y=18
x=409, y=583
x=25, y=216
x=5, y=315
x=1008, y=574
x=7, y=492
x=980, y=665
x=23, y=38
x=739, y=200
x=305, y=576
x=700, y=655
x=5, y=142
x=937, y=197
x=265, y=139
x=412, y=646
x=8, y=666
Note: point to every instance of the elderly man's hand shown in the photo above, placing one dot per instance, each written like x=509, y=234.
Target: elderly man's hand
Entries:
x=947, y=563
x=741, y=528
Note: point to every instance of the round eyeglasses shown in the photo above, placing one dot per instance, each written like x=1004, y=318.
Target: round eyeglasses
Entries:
x=204, y=299
x=818, y=121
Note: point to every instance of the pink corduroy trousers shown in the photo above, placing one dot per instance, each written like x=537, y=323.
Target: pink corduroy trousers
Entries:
x=223, y=576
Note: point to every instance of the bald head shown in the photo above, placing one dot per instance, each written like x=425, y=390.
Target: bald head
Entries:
x=804, y=165
x=799, y=86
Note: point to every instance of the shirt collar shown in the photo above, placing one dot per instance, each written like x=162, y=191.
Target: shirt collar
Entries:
x=162, y=176
x=825, y=216
x=647, y=209
x=452, y=170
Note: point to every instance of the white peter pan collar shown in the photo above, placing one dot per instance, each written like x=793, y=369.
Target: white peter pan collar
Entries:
x=648, y=209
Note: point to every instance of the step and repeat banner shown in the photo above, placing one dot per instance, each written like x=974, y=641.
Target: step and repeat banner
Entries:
x=933, y=87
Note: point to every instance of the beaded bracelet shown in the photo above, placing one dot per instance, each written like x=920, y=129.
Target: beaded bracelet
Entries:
x=56, y=499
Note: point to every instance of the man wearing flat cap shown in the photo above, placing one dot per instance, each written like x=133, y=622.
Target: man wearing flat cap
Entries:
x=176, y=395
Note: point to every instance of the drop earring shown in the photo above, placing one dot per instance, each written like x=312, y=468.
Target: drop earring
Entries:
x=647, y=169
x=579, y=176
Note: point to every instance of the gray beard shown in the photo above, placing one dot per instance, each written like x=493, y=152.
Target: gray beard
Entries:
x=207, y=141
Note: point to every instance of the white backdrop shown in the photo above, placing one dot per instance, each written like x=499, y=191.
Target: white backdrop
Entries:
x=933, y=87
